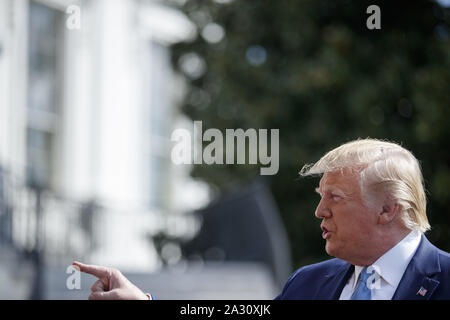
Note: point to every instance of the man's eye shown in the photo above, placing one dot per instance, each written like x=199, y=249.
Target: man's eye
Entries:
x=336, y=197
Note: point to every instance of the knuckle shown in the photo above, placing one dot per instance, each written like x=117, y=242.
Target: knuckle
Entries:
x=113, y=270
x=94, y=286
x=116, y=272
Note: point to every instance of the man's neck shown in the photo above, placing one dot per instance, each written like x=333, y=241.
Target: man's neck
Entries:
x=388, y=240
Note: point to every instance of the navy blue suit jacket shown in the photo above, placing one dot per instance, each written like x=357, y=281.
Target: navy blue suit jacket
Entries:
x=429, y=268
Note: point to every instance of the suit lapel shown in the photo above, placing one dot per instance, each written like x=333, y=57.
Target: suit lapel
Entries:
x=417, y=283
x=332, y=289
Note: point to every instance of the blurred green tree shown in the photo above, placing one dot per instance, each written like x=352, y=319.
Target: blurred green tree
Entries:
x=314, y=70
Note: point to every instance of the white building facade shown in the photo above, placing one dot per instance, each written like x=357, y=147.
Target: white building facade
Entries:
x=86, y=111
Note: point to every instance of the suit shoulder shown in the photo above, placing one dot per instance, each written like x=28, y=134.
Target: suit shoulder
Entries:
x=443, y=291
x=309, y=275
x=444, y=259
x=323, y=267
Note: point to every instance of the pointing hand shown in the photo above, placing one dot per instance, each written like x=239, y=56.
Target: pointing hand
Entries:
x=111, y=284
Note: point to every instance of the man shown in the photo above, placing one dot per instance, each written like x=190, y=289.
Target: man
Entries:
x=373, y=211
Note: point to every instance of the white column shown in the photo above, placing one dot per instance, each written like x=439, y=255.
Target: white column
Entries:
x=16, y=84
x=102, y=114
x=79, y=127
x=117, y=140
x=4, y=97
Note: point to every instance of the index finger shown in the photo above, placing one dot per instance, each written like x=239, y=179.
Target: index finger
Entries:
x=98, y=271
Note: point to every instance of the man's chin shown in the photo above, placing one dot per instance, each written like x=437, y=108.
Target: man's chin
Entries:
x=334, y=251
x=330, y=249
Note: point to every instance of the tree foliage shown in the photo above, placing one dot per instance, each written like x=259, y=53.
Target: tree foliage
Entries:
x=314, y=70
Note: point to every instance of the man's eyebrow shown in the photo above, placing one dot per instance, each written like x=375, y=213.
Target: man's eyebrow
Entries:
x=331, y=189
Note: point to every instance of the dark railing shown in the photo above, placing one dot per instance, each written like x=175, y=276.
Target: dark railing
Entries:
x=42, y=228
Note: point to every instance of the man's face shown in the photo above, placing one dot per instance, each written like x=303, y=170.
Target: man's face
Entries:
x=348, y=225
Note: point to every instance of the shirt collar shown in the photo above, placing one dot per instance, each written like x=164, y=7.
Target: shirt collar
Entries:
x=355, y=278
x=392, y=264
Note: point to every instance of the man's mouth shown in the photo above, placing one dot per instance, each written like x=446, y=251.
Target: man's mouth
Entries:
x=325, y=233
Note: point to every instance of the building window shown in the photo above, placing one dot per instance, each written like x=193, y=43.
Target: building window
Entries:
x=159, y=119
x=45, y=30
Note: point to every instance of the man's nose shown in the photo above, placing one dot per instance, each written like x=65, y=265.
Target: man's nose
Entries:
x=322, y=210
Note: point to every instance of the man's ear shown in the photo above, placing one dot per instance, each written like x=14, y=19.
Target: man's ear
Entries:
x=390, y=210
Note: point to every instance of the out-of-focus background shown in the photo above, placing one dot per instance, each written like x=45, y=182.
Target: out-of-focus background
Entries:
x=91, y=91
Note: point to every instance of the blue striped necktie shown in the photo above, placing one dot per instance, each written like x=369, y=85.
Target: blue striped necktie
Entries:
x=362, y=292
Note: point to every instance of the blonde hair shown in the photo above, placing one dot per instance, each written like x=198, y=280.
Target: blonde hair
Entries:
x=384, y=166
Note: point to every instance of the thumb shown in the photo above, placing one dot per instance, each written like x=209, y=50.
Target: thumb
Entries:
x=103, y=295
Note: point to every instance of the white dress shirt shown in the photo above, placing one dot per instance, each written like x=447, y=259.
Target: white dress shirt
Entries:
x=389, y=269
